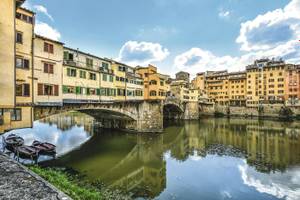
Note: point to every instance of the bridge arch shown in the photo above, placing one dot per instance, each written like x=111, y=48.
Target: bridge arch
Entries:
x=172, y=111
x=141, y=116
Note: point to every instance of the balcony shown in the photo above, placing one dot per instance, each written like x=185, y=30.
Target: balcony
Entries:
x=109, y=71
x=70, y=63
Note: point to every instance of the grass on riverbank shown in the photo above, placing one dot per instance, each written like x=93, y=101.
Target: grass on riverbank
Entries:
x=64, y=182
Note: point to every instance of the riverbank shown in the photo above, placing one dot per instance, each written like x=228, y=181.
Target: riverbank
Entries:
x=17, y=182
x=75, y=186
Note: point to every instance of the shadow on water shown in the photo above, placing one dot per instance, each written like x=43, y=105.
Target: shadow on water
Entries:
x=214, y=158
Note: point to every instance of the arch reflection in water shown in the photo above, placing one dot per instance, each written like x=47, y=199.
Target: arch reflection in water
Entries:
x=210, y=159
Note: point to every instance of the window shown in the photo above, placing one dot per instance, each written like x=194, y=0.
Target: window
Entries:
x=152, y=93
x=104, y=77
x=153, y=82
x=121, y=92
x=280, y=79
x=93, y=76
x=111, y=78
x=19, y=37
x=68, y=89
x=105, y=65
x=82, y=74
x=71, y=72
x=48, y=90
x=48, y=68
x=162, y=83
x=68, y=56
x=89, y=62
x=16, y=114
x=122, y=69
x=22, y=63
x=24, y=18
x=48, y=47
x=23, y=90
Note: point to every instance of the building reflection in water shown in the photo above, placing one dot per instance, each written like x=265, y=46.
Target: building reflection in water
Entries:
x=269, y=151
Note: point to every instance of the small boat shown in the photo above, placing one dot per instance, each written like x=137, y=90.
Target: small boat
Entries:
x=26, y=152
x=44, y=148
x=12, y=141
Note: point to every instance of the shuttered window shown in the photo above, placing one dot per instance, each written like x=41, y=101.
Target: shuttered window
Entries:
x=48, y=68
x=26, y=90
x=56, y=90
x=48, y=47
x=48, y=90
x=23, y=90
x=40, y=89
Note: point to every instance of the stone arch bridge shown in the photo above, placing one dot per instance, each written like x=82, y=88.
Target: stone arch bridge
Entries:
x=140, y=116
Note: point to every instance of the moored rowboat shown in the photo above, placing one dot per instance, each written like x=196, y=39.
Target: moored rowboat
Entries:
x=44, y=147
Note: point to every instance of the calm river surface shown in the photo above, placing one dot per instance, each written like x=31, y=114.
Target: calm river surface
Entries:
x=205, y=159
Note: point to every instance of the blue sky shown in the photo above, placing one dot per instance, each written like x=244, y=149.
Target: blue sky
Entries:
x=191, y=35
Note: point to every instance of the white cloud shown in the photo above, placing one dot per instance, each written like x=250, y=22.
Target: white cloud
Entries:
x=196, y=60
x=46, y=30
x=43, y=10
x=281, y=185
x=271, y=29
x=142, y=53
x=271, y=35
x=224, y=14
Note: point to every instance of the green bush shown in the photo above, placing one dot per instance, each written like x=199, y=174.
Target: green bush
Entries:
x=64, y=182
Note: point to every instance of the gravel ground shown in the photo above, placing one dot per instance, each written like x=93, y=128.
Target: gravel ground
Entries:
x=17, y=182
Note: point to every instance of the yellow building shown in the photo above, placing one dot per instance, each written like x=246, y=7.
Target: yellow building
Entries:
x=216, y=86
x=237, y=88
x=266, y=82
x=48, y=60
x=86, y=78
x=156, y=85
x=16, y=28
x=129, y=85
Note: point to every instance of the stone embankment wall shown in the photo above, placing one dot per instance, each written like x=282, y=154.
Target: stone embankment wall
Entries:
x=267, y=110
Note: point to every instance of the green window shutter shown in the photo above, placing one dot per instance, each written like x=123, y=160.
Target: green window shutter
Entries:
x=78, y=90
x=98, y=91
x=66, y=55
x=68, y=71
x=88, y=91
x=65, y=89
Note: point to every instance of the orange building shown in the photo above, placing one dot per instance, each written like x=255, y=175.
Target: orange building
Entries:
x=156, y=85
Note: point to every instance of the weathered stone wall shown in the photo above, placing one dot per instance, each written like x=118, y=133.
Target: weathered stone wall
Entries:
x=150, y=117
x=266, y=110
x=206, y=109
x=191, y=111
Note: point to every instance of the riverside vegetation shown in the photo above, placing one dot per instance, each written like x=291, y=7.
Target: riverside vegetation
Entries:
x=74, y=186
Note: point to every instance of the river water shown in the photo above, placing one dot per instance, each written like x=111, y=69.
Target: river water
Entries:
x=213, y=158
